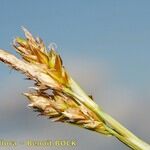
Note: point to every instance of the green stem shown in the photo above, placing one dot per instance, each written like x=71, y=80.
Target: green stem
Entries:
x=112, y=126
x=124, y=135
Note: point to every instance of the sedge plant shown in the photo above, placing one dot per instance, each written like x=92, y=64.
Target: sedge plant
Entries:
x=66, y=102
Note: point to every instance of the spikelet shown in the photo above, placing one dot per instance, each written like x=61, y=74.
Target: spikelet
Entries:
x=60, y=107
x=33, y=50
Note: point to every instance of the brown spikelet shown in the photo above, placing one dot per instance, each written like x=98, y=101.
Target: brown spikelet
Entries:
x=33, y=50
x=64, y=109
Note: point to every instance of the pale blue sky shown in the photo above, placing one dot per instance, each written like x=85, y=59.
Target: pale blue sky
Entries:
x=112, y=30
x=105, y=44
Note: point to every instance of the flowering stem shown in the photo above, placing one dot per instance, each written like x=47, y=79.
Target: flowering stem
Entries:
x=47, y=70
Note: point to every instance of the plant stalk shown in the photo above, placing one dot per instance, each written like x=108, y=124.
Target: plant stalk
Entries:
x=111, y=125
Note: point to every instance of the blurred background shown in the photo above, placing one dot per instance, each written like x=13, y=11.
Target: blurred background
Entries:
x=105, y=45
